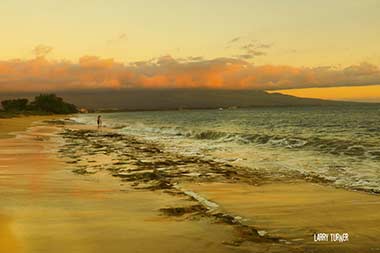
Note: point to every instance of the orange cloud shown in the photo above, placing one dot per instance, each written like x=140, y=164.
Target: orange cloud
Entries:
x=91, y=72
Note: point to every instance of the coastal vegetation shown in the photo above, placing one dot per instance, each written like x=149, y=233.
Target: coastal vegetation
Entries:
x=42, y=104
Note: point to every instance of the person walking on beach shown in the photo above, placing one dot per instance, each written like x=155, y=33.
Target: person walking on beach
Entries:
x=99, y=121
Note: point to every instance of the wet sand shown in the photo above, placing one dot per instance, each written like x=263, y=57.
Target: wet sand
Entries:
x=45, y=207
x=10, y=126
x=70, y=188
x=298, y=210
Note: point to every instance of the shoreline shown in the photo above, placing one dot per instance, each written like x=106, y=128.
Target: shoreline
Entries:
x=228, y=207
x=167, y=172
x=48, y=208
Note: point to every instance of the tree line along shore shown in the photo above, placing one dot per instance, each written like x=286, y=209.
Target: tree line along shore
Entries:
x=43, y=104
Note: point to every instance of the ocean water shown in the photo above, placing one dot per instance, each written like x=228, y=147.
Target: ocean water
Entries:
x=338, y=144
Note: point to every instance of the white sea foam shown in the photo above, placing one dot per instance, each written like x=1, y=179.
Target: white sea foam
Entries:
x=211, y=206
x=340, y=145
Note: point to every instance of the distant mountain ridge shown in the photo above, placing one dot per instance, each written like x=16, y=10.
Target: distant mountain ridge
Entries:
x=167, y=99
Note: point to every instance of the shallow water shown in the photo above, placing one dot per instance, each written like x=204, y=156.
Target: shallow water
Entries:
x=338, y=144
x=299, y=210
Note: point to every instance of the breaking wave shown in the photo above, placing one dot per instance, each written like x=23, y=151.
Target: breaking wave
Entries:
x=332, y=146
x=341, y=145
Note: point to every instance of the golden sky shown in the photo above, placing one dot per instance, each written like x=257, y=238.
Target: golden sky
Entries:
x=358, y=93
x=271, y=45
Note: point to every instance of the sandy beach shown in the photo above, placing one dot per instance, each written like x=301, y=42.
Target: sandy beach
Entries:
x=11, y=126
x=73, y=188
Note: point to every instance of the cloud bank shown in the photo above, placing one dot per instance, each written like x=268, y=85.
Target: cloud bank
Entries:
x=91, y=72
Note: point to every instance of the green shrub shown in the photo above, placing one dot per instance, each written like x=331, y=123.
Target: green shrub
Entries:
x=53, y=104
x=19, y=104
